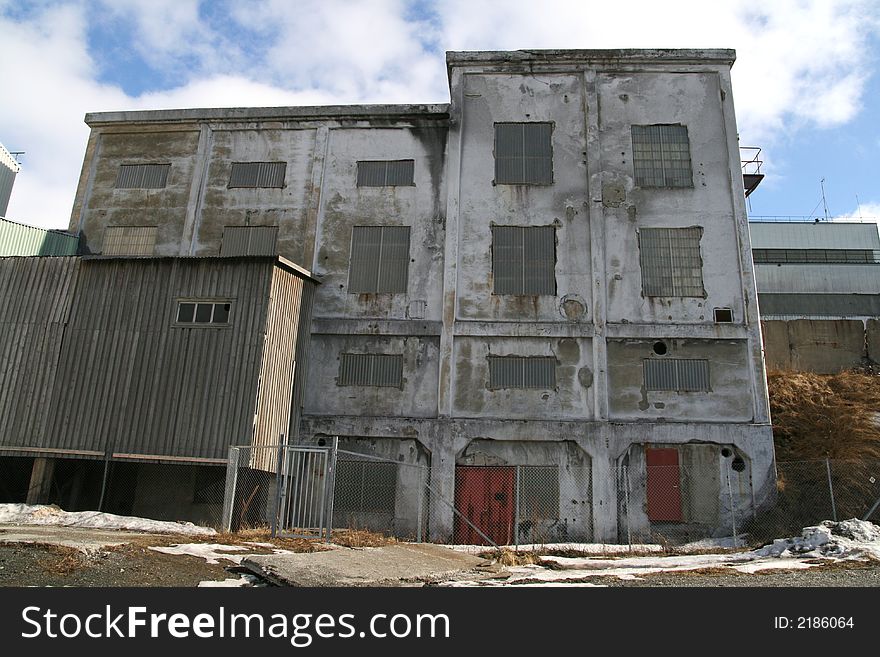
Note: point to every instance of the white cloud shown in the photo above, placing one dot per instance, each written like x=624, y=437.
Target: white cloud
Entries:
x=801, y=63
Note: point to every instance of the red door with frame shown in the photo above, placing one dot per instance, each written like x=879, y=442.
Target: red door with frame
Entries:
x=485, y=496
x=664, y=485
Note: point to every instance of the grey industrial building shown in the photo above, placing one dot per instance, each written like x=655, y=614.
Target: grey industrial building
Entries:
x=553, y=271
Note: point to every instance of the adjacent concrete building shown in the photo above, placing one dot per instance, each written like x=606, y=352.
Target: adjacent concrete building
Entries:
x=553, y=271
x=9, y=168
x=819, y=293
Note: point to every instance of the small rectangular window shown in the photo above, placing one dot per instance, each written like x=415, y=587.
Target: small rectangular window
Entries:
x=129, y=240
x=142, y=176
x=203, y=313
x=257, y=174
x=661, y=156
x=670, y=262
x=383, y=370
x=249, y=241
x=522, y=372
x=723, y=315
x=523, y=153
x=524, y=259
x=676, y=374
x=385, y=173
x=379, y=259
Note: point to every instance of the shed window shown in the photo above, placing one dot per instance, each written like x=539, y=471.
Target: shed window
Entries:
x=523, y=153
x=379, y=259
x=676, y=374
x=249, y=241
x=524, y=259
x=383, y=370
x=203, y=313
x=670, y=262
x=129, y=240
x=142, y=176
x=257, y=174
x=661, y=156
x=522, y=372
x=385, y=173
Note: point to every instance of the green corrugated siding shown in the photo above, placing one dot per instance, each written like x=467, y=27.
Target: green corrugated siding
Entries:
x=20, y=240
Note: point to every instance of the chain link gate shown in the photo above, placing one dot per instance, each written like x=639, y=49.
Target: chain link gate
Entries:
x=304, y=500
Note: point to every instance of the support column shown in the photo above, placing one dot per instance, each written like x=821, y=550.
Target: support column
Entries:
x=41, y=481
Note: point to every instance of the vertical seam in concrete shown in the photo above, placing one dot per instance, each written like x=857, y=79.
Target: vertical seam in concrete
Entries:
x=87, y=185
x=316, y=205
x=197, y=191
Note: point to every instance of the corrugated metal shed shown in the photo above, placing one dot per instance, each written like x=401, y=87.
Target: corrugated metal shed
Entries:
x=812, y=235
x=818, y=278
x=101, y=366
x=819, y=305
x=20, y=240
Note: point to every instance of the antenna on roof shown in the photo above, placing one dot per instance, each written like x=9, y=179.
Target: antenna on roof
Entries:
x=824, y=202
x=859, y=206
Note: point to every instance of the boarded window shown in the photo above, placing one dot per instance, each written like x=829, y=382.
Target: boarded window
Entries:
x=384, y=370
x=129, y=240
x=523, y=153
x=257, y=174
x=203, y=313
x=522, y=372
x=365, y=487
x=524, y=259
x=142, y=176
x=671, y=263
x=384, y=173
x=538, y=492
x=676, y=374
x=661, y=156
x=249, y=241
x=379, y=259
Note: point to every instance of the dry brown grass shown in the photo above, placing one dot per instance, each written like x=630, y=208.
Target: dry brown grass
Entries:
x=819, y=416
x=508, y=557
x=358, y=538
x=62, y=560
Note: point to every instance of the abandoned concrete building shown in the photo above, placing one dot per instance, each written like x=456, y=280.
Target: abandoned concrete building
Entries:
x=546, y=282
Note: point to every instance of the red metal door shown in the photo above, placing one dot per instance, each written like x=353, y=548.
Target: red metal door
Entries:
x=484, y=495
x=664, y=485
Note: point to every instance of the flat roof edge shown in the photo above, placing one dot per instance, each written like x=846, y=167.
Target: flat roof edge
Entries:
x=297, y=113
x=623, y=55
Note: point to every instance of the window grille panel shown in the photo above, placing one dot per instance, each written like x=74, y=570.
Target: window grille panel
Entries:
x=676, y=374
x=523, y=153
x=524, y=259
x=249, y=241
x=257, y=174
x=385, y=370
x=142, y=176
x=379, y=259
x=129, y=240
x=522, y=372
x=384, y=173
x=670, y=262
x=661, y=156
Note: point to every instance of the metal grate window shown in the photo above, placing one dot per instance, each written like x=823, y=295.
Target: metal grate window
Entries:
x=257, y=174
x=661, y=156
x=671, y=263
x=523, y=153
x=365, y=487
x=385, y=173
x=379, y=259
x=142, y=176
x=524, y=259
x=204, y=313
x=249, y=241
x=383, y=370
x=522, y=372
x=676, y=374
x=129, y=240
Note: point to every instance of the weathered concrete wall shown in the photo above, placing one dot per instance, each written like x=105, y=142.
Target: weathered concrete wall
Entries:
x=417, y=397
x=728, y=399
x=823, y=346
x=571, y=398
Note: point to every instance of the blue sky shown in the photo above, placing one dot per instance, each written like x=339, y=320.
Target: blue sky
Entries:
x=806, y=81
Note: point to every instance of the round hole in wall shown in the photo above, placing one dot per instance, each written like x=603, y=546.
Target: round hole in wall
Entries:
x=725, y=452
x=659, y=348
x=321, y=442
x=738, y=464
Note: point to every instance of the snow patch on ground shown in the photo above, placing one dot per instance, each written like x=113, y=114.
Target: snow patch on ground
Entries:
x=215, y=552
x=243, y=580
x=37, y=514
x=587, y=548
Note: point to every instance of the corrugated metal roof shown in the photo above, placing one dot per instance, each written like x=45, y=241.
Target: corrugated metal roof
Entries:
x=20, y=240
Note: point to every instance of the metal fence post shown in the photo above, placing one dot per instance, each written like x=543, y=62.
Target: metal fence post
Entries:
x=626, y=504
x=516, y=494
x=732, y=509
x=280, y=487
x=421, y=511
x=229, y=490
x=831, y=489
x=330, y=492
